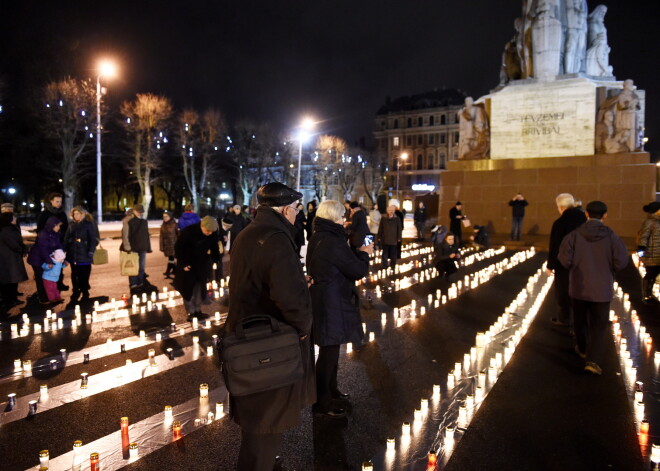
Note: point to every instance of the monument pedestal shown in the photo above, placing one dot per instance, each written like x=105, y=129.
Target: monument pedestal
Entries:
x=625, y=182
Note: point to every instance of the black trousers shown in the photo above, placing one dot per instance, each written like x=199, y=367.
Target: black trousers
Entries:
x=326, y=376
x=652, y=272
x=258, y=451
x=8, y=292
x=565, y=313
x=80, y=278
x=591, y=322
x=390, y=252
x=39, y=282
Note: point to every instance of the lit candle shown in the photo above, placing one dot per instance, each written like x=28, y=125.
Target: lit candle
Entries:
x=209, y=350
x=195, y=337
x=219, y=409
x=83, y=380
x=644, y=426
x=143, y=334
x=405, y=429
x=655, y=453
x=159, y=337
x=43, y=390
x=391, y=444
x=151, y=352
x=372, y=336
x=133, y=450
x=168, y=412
x=449, y=433
x=44, y=458
x=210, y=417
x=367, y=466
x=94, y=464
x=203, y=390
x=18, y=365
x=436, y=390
x=27, y=366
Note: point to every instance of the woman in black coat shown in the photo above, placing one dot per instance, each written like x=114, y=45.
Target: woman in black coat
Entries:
x=299, y=224
x=334, y=268
x=11, y=261
x=80, y=243
x=311, y=214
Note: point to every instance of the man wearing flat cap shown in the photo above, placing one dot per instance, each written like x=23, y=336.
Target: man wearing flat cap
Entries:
x=195, y=250
x=592, y=253
x=267, y=278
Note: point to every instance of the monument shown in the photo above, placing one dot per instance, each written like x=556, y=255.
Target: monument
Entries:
x=559, y=121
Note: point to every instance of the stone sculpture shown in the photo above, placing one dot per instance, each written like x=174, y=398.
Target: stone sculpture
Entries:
x=598, y=52
x=617, y=127
x=474, y=138
x=524, y=42
x=546, y=40
x=511, y=62
x=575, y=44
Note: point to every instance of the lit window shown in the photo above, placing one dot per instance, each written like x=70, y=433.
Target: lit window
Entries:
x=395, y=141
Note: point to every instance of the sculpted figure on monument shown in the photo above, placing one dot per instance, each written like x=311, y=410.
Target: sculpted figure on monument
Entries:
x=546, y=39
x=575, y=45
x=511, y=61
x=524, y=38
x=474, y=139
x=607, y=140
x=623, y=107
x=598, y=52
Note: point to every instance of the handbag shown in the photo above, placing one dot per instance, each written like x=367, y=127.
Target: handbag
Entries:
x=100, y=256
x=129, y=263
x=260, y=355
x=466, y=222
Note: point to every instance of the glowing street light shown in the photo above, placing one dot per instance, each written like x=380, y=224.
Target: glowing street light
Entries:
x=303, y=134
x=106, y=69
x=403, y=156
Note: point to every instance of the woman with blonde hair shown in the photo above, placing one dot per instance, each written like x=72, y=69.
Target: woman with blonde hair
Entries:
x=80, y=243
x=334, y=268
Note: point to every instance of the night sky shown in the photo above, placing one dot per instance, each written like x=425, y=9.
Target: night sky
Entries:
x=276, y=61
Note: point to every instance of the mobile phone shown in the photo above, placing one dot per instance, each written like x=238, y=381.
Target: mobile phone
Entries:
x=368, y=239
x=640, y=253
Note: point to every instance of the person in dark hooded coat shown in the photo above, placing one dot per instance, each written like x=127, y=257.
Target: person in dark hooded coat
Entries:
x=53, y=207
x=267, y=278
x=48, y=240
x=334, y=267
x=11, y=261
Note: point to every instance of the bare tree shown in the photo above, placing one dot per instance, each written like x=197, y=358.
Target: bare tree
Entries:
x=68, y=121
x=373, y=177
x=329, y=151
x=146, y=119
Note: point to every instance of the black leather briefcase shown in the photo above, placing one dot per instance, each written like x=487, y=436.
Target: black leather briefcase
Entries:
x=262, y=354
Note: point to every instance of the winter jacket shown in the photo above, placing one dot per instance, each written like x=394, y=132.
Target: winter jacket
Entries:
x=358, y=229
x=389, y=230
x=309, y=224
x=570, y=219
x=80, y=242
x=11, y=255
x=442, y=258
x=188, y=219
x=592, y=253
x=238, y=224
x=267, y=278
x=138, y=236
x=52, y=271
x=456, y=221
x=420, y=216
x=374, y=220
x=518, y=208
x=168, y=235
x=648, y=239
x=299, y=224
x=47, y=242
x=199, y=252
x=49, y=212
x=335, y=300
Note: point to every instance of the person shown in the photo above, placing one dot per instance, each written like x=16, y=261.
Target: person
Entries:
x=311, y=214
x=237, y=225
x=335, y=268
x=347, y=210
x=401, y=215
x=447, y=255
x=80, y=243
x=438, y=234
x=267, y=278
x=195, y=249
x=517, y=204
x=456, y=222
x=299, y=224
x=571, y=217
x=223, y=239
x=51, y=273
x=169, y=232
x=592, y=253
x=374, y=219
x=136, y=239
x=48, y=240
x=53, y=207
x=648, y=243
x=420, y=218
x=357, y=227
x=389, y=235
x=188, y=217
x=480, y=236
x=11, y=260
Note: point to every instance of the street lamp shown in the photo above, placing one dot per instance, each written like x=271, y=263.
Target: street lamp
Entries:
x=106, y=69
x=303, y=134
x=403, y=156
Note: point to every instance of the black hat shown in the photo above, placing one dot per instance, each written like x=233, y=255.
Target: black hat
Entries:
x=458, y=203
x=596, y=207
x=652, y=207
x=354, y=204
x=277, y=194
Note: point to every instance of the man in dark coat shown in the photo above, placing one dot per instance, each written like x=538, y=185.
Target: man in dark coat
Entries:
x=137, y=240
x=420, y=218
x=53, y=207
x=571, y=218
x=311, y=214
x=357, y=227
x=267, y=278
x=195, y=250
x=592, y=253
x=446, y=256
x=456, y=222
x=238, y=223
x=517, y=204
x=389, y=235
x=11, y=260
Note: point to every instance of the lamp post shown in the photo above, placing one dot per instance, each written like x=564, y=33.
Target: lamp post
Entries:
x=303, y=134
x=403, y=156
x=106, y=69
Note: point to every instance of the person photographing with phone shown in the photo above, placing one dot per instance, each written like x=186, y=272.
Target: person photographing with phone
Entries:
x=334, y=267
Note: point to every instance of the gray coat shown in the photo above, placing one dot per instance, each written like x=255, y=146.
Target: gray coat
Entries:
x=11, y=255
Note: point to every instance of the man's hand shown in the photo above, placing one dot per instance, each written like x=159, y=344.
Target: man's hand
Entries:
x=310, y=281
x=367, y=248
x=549, y=272
x=187, y=268
x=452, y=255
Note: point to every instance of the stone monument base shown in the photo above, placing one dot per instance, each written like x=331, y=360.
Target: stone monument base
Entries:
x=625, y=182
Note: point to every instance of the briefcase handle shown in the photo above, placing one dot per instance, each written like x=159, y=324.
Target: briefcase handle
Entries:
x=241, y=326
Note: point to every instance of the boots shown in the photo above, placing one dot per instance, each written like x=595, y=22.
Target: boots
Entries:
x=647, y=292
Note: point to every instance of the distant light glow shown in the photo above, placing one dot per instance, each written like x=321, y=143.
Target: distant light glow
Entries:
x=423, y=187
x=11, y=190
x=107, y=69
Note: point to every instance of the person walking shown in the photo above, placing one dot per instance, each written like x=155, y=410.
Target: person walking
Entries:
x=420, y=218
x=389, y=235
x=456, y=222
x=374, y=219
x=188, y=217
x=592, y=253
x=48, y=240
x=648, y=244
x=267, y=278
x=80, y=243
x=311, y=214
x=53, y=207
x=570, y=219
x=137, y=240
x=335, y=268
x=195, y=250
x=11, y=260
x=357, y=228
x=517, y=204
x=169, y=232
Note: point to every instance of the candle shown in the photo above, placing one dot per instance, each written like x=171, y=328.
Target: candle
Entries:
x=367, y=466
x=417, y=415
x=195, y=337
x=449, y=433
x=349, y=347
x=219, y=409
x=18, y=365
x=210, y=416
x=151, y=352
x=27, y=366
x=83, y=380
x=644, y=426
x=159, y=337
x=32, y=405
x=11, y=399
x=86, y=358
x=436, y=390
x=94, y=464
x=143, y=334
x=44, y=458
x=655, y=454
x=391, y=444
x=203, y=390
x=405, y=428
x=197, y=422
x=133, y=450
x=168, y=412
x=123, y=422
x=43, y=390
x=372, y=336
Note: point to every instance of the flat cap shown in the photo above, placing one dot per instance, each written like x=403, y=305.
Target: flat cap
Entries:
x=596, y=207
x=649, y=208
x=277, y=194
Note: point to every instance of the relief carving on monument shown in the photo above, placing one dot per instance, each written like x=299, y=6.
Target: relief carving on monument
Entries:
x=474, y=136
x=617, y=127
